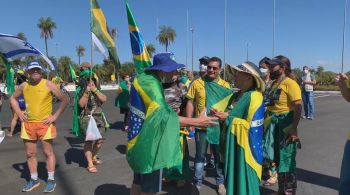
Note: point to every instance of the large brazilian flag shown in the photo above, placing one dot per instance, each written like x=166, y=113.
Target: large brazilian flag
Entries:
x=100, y=29
x=243, y=145
x=138, y=47
x=217, y=97
x=153, y=136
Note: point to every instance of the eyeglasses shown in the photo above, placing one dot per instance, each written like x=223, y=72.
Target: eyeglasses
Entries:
x=212, y=68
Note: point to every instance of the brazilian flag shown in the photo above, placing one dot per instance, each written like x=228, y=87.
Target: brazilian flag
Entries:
x=153, y=136
x=10, y=73
x=243, y=144
x=217, y=97
x=138, y=47
x=100, y=29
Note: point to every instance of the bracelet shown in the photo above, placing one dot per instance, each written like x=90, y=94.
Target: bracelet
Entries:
x=95, y=91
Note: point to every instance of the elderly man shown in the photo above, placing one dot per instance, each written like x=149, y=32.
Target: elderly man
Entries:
x=38, y=122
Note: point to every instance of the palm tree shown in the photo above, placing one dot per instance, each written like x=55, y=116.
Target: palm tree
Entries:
x=150, y=48
x=166, y=36
x=22, y=36
x=80, y=52
x=46, y=26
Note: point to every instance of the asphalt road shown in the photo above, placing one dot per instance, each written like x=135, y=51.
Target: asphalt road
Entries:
x=318, y=161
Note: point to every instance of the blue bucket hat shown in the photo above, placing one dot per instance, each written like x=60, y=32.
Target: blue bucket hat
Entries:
x=33, y=64
x=165, y=62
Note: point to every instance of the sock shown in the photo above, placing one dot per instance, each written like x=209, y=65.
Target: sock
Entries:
x=34, y=176
x=51, y=175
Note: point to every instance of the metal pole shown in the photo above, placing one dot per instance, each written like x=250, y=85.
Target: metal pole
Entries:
x=274, y=27
x=192, y=29
x=225, y=26
x=344, y=29
x=56, y=44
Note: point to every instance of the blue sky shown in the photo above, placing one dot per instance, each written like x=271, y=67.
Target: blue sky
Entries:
x=309, y=32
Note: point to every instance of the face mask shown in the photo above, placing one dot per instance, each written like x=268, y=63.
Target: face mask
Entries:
x=275, y=74
x=127, y=79
x=306, y=71
x=264, y=71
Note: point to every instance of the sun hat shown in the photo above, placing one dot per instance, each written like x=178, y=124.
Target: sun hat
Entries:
x=33, y=64
x=252, y=69
x=165, y=62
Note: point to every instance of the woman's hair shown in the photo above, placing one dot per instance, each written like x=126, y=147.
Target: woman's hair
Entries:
x=21, y=79
x=287, y=66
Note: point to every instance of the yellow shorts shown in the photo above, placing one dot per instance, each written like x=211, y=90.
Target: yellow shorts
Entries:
x=37, y=131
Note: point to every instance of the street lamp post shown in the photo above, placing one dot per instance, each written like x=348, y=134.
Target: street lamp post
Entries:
x=192, y=31
x=247, y=51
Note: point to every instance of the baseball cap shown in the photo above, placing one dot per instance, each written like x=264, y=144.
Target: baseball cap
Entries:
x=33, y=64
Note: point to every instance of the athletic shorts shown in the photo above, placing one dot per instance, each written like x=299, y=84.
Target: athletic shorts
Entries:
x=151, y=182
x=37, y=131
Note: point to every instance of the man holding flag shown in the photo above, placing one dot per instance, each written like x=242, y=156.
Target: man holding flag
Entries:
x=208, y=92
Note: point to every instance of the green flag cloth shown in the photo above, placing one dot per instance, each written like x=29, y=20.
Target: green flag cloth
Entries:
x=10, y=74
x=72, y=72
x=217, y=96
x=153, y=136
x=139, y=51
x=242, y=142
x=123, y=96
x=100, y=29
x=76, y=126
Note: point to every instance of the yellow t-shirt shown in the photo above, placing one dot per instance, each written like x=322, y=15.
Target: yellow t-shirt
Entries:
x=38, y=100
x=197, y=94
x=288, y=91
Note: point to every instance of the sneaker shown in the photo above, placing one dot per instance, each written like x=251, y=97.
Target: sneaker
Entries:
x=304, y=117
x=50, y=186
x=31, y=185
x=310, y=118
x=221, y=189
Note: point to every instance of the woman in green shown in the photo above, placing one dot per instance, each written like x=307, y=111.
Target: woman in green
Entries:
x=242, y=138
x=283, y=101
x=122, y=99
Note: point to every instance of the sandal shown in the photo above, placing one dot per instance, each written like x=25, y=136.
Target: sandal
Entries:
x=97, y=162
x=272, y=180
x=92, y=169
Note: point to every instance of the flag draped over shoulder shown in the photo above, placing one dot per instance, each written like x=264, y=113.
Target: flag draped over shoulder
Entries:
x=243, y=145
x=100, y=29
x=217, y=97
x=138, y=47
x=153, y=136
x=14, y=47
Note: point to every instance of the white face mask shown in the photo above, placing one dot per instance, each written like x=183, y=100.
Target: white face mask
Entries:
x=127, y=79
x=306, y=71
x=264, y=71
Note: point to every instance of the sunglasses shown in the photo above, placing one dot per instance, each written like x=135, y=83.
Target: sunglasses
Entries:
x=212, y=68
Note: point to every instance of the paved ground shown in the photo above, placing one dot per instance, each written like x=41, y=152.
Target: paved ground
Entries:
x=318, y=161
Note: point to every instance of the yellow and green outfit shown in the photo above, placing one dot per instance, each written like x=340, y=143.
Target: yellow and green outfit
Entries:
x=279, y=118
x=206, y=95
x=38, y=100
x=241, y=143
x=345, y=166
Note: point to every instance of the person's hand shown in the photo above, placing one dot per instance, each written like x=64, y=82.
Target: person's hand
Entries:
x=221, y=115
x=292, y=135
x=341, y=78
x=22, y=116
x=50, y=119
x=91, y=86
x=204, y=121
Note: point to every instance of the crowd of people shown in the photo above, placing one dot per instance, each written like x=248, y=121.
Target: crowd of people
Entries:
x=249, y=124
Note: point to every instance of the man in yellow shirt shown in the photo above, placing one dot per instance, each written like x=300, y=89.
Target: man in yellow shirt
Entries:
x=38, y=122
x=344, y=85
x=196, y=107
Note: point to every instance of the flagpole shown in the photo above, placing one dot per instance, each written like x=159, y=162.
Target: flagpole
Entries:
x=273, y=28
x=344, y=29
x=91, y=56
x=187, y=27
x=225, y=26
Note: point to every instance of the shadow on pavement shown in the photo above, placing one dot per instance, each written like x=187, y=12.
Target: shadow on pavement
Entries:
x=24, y=170
x=75, y=141
x=317, y=179
x=112, y=189
x=121, y=149
x=74, y=155
x=118, y=125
